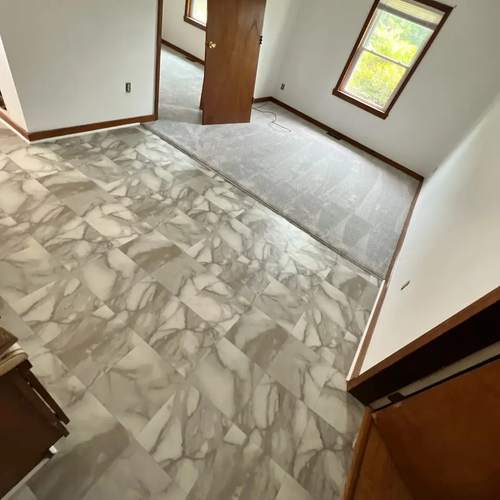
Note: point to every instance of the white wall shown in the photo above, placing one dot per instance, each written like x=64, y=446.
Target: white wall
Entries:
x=456, y=81
x=278, y=22
x=9, y=92
x=71, y=59
x=451, y=253
x=279, y=18
x=177, y=31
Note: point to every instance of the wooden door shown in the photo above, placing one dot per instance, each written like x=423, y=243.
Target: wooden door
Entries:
x=374, y=474
x=234, y=29
x=446, y=440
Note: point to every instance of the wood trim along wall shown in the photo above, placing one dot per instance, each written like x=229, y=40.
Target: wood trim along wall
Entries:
x=470, y=330
x=50, y=134
x=6, y=118
x=446, y=9
x=261, y=99
x=336, y=91
x=191, y=20
x=358, y=455
x=159, y=25
x=186, y=54
x=340, y=136
x=378, y=306
x=79, y=129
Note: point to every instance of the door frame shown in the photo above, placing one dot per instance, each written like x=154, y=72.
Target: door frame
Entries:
x=467, y=332
x=159, y=27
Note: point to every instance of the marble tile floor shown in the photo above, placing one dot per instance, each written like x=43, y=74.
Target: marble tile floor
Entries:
x=198, y=342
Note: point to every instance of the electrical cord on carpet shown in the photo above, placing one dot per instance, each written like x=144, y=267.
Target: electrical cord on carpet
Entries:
x=275, y=119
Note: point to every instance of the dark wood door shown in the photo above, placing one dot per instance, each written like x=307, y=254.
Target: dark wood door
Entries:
x=234, y=29
x=446, y=440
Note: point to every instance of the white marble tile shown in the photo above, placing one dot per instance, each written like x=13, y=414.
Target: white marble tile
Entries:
x=258, y=336
x=300, y=370
x=55, y=376
x=110, y=275
x=184, y=277
x=240, y=470
x=278, y=302
x=214, y=254
x=183, y=231
x=14, y=237
x=337, y=407
x=135, y=476
x=292, y=490
x=275, y=420
x=144, y=307
x=92, y=348
x=151, y=251
x=116, y=223
x=57, y=307
x=39, y=161
x=219, y=304
x=322, y=461
x=184, y=339
x=184, y=436
x=227, y=377
x=95, y=441
x=136, y=387
x=24, y=272
x=238, y=236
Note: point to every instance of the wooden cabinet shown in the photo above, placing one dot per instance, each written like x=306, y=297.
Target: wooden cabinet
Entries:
x=30, y=423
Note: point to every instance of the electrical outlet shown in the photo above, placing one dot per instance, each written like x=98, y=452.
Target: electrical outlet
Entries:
x=128, y=88
x=282, y=86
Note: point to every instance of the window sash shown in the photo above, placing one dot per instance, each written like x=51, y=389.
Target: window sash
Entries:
x=190, y=14
x=363, y=48
x=193, y=8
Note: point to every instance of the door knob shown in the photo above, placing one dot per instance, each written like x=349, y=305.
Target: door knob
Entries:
x=212, y=45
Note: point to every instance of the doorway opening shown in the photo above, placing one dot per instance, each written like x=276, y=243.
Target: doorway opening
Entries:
x=229, y=53
x=281, y=157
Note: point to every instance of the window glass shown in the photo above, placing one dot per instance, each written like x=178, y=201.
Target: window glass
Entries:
x=390, y=46
x=199, y=10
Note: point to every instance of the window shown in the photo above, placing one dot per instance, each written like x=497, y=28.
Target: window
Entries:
x=394, y=39
x=196, y=13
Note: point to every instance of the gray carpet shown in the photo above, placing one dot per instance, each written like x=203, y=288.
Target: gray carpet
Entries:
x=349, y=200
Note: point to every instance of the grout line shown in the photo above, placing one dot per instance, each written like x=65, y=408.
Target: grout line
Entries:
x=255, y=197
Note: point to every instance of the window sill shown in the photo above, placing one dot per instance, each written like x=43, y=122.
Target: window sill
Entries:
x=196, y=23
x=374, y=111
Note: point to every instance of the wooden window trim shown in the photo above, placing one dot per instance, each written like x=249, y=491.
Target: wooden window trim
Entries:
x=191, y=20
x=446, y=9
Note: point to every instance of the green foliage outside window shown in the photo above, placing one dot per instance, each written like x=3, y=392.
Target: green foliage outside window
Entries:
x=375, y=78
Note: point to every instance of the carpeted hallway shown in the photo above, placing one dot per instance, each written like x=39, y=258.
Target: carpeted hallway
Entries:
x=347, y=199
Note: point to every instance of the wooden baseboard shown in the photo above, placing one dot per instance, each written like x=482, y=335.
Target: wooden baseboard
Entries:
x=380, y=302
x=91, y=127
x=339, y=135
x=79, y=129
x=191, y=57
x=256, y=100
x=368, y=336
x=6, y=118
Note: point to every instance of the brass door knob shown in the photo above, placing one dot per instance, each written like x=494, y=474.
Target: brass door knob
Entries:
x=212, y=45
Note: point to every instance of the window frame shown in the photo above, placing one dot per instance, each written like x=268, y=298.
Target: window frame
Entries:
x=356, y=53
x=191, y=20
